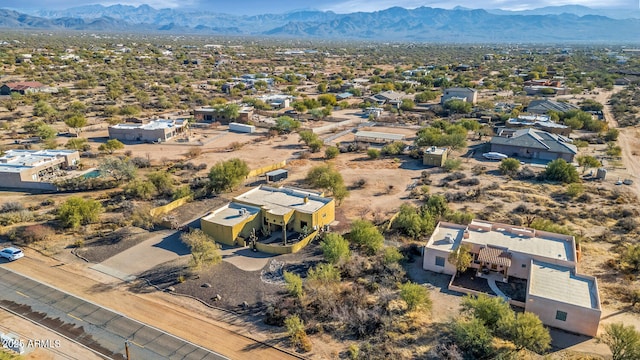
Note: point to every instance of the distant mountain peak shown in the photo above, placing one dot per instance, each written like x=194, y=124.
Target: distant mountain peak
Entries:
x=552, y=24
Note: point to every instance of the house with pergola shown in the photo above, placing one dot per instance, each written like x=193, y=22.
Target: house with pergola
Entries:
x=548, y=262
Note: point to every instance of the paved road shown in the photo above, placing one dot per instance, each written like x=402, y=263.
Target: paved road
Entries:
x=102, y=330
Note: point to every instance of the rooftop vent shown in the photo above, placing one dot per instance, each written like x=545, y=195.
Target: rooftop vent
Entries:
x=449, y=238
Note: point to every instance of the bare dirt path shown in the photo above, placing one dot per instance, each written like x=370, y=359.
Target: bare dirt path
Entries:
x=628, y=140
x=238, y=341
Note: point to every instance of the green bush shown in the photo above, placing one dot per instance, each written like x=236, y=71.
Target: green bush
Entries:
x=452, y=164
x=416, y=296
x=373, y=153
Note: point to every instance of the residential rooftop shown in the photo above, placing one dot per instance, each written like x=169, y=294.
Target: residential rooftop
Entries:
x=380, y=135
x=282, y=200
x=562, y=284
x=516, y=239
x=435, y=150
x=231, y=214
x=16, y=161
x=152, y=125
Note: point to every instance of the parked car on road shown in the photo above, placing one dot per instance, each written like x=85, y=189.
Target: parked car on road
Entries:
x=11, y=253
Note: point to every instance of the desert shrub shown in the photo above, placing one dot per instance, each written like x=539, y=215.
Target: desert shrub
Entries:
x=509, y=166
x=395, y=148
x=453, y=177
x=297, y=333
x=366, y=235
x=141, y=217
x=574, y=190
x=77, y=211
x=416, y=296
x=35, y=233
x=560, y=170
x=373, y=153
x=140, y=162
x=627, y=224
x=452, y=164
x=324, y=273
x=11, y=206
x=392, y=255
x=412, y=222
x=141, y=189
x=293, y=283
x=335, y=248
x=473, y=337
x=331, y=152
x=526, y=173
x=469, y=182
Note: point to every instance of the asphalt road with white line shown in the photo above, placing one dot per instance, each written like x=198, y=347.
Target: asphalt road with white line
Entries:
x=103, y=331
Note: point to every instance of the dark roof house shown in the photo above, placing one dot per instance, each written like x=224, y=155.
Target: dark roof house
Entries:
x=544, y=106
x=535, y=144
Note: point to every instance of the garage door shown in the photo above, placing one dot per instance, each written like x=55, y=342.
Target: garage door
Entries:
x=547, y=156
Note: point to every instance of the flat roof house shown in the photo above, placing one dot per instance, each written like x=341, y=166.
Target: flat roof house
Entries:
x=542, y=122
x=281, y=220
x=34, y=169
x=155, y=130
x=534, y=144
x=377, y=137
x=212, y=114
x=548, y=262
x=466, y=94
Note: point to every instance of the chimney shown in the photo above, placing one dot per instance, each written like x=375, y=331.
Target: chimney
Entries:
x=465, y=234
x=306, y=199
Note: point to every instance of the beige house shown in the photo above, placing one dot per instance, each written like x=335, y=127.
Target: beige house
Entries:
x=555, y=292
x=283, y=220
x=465, y=94
x=155, y=130
x=34, y=169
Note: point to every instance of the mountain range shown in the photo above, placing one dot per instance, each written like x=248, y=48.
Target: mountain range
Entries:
x=423, y=24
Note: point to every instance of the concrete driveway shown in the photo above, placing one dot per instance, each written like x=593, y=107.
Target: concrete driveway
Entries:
x=164, y=246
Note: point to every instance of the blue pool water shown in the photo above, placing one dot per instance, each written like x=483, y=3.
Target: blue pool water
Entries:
x=92, y=174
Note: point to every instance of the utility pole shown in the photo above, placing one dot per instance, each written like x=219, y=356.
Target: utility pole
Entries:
x=126, y=349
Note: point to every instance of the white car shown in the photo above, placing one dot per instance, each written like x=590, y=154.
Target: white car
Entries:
x=11, y=253
x=494, y=156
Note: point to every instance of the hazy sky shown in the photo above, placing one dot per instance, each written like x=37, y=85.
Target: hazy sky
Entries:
x=251, y=7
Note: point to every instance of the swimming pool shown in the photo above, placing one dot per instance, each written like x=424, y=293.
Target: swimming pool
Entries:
x=91, y=174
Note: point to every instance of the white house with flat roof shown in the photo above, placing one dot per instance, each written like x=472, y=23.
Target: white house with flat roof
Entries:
x=547, y=261
x=154, y=130
x=34, y=169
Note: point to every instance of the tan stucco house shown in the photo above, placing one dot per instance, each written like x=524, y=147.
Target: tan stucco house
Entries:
x=560, y=296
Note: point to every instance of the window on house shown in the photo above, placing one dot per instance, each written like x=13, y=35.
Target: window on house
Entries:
x=303, y=224
x=561, y=315
x=439, y=261
x=524, y=265
x=475, y=259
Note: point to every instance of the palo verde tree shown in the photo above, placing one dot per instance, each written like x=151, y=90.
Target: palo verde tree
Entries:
x=226, y=175
x=366, y=235
x=623, y=341
x=461, y=258
x=335, y=248
x=77, y=211
x=204, y=250
x=326, y=177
